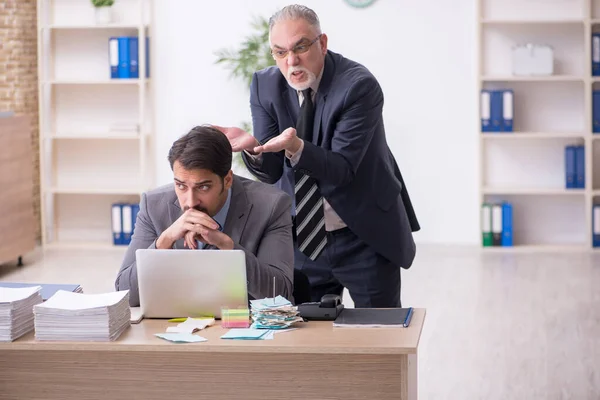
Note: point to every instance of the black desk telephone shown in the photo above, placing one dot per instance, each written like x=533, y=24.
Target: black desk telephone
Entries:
x=327, y=309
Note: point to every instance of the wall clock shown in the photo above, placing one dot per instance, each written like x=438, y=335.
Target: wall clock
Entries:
x=360, y=3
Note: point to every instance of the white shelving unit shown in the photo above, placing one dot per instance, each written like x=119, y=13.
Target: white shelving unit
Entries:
x=527, y=167
x=96, y=133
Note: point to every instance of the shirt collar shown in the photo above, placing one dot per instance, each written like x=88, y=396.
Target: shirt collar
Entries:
x=221, y=216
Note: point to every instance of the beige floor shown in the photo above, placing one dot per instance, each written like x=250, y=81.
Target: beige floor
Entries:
x=498, y=326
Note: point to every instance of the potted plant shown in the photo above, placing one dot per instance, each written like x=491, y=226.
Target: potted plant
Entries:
x=253, y=55
x=103, y=11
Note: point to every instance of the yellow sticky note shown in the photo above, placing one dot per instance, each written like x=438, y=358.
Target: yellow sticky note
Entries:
x=185, y=319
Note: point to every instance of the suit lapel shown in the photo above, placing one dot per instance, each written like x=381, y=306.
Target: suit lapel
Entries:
x=292, y=104
x=322, y=92
x=239, y=211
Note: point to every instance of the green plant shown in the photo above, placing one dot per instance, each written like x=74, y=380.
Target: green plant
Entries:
x=103, y=3
x=253, y=55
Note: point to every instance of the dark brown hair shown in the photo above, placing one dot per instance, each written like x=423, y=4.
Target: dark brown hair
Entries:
x=204, y=147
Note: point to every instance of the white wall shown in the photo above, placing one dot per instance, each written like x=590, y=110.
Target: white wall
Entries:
x=423, y=53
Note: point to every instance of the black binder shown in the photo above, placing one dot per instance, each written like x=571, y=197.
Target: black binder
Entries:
x=374, y=317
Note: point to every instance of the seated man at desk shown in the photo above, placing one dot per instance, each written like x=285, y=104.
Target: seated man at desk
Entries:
x=208, y=207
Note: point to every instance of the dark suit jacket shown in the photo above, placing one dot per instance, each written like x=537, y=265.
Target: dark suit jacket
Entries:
x=258, y=221
x=348, y=154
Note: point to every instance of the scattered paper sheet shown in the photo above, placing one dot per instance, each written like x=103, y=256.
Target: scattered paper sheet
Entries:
x=181, y=337
x=247, y=334
x=191, y=325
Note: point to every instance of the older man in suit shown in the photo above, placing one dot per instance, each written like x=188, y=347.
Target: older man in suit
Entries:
x=208, y=207
x=319, y=135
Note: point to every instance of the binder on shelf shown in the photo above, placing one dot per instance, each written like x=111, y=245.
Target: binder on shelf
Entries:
x=133, y=57
x=596, y=225
x=580, y=167
x=596, y=111
x=123, y=57
x=496, y=110
x=147, y=57
x=507, y=110
x=113, y=57
x=595, y=54
x=507, y=224
x=117, y=224
x=570, y=176
x=485, y=111
x=124, y=216
x=127, y=227
x=486, y=224
x=496, y=225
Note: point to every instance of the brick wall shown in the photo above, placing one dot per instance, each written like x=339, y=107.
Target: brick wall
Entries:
x=18, y=73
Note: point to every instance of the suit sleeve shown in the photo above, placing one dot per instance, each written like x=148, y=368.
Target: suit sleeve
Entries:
x=144, y=237
x=268, y=167
x=274, y=256
x=358, y=121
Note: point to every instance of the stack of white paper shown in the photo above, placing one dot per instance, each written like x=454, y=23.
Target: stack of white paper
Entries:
x=16, y=311
x=83, y=317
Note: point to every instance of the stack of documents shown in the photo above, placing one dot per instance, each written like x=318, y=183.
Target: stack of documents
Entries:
x=83, y=317
x=273, y=313
x=16, y=311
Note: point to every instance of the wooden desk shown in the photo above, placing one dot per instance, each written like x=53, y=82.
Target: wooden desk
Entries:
x=315, y=361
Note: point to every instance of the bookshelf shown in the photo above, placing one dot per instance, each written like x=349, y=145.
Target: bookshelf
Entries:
x=96, y=132
x=526, y=167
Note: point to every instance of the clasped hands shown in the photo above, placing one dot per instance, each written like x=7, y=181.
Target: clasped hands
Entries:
x=194, y=225
x=241, y=140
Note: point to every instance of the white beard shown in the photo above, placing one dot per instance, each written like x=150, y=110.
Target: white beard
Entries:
x=311, y=78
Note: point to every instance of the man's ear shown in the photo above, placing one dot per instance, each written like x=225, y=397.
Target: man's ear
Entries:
x=323, y=41
x=228, y=180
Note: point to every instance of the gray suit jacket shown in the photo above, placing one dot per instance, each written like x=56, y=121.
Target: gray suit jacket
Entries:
x=258, y=221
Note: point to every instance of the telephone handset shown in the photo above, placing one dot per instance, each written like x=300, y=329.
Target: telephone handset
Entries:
x=327, y=309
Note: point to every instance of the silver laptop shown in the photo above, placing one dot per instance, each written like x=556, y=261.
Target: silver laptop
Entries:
x=190, y=283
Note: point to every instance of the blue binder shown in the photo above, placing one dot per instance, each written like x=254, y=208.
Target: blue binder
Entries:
x=496, y=110
x=508, y=110
x=580, y=167
x=596, y=111
x=507, y=224
x=147, y=57
x=596, y=225
x=133, y=57
x=596, y=54
x=113, y=57
x=126, y=224
x=570, y=177
x=485, y=111
x=117, y=224
x=123, y=57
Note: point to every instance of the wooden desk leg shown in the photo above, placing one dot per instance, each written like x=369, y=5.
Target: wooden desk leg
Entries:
x=412, y=377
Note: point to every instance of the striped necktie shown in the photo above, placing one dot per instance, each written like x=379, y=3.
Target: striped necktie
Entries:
x=310, y=218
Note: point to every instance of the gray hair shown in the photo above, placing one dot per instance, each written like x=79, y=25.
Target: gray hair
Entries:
x=296, y=11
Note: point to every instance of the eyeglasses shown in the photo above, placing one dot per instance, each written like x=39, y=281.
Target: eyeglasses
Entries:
x=300, y=48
